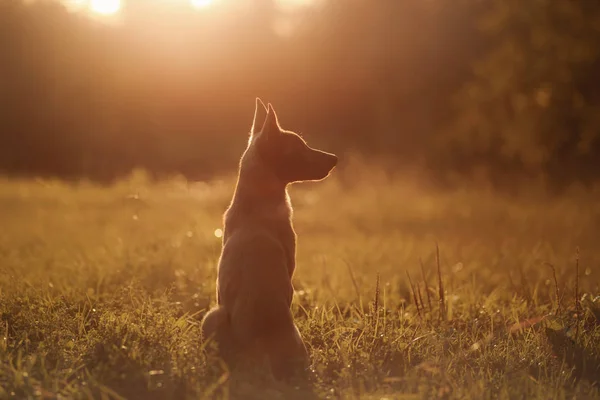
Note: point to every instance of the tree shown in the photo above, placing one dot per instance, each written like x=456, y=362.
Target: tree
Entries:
x=533, y=103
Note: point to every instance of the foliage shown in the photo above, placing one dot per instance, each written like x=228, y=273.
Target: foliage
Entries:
x=533, y=103
x=172, y=90
x=490, y=90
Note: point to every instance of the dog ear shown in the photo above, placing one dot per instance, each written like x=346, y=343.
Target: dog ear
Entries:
x=271, y=122
x=259, y=110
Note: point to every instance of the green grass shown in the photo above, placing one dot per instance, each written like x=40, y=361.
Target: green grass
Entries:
x=102, y=290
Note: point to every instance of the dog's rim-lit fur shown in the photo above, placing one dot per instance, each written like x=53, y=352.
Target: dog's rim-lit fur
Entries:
x=254, y=284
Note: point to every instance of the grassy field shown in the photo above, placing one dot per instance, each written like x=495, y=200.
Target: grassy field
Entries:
x=102, y=290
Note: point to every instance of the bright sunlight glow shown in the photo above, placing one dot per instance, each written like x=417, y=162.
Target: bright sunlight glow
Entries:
x=105, y=7
x=110, y=7
x=201, y=3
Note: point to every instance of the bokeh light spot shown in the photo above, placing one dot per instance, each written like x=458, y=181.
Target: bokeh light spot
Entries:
x=105, y=7
x=201, y=3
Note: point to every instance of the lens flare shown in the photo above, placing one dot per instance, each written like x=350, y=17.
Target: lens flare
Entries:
x=201, y=3
x=105, y=7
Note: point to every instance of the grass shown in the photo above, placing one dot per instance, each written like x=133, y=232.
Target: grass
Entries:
x=102, y=290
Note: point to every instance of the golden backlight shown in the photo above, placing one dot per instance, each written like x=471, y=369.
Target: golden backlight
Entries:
x=201, y=3
x=105, y=7
x=110, y=7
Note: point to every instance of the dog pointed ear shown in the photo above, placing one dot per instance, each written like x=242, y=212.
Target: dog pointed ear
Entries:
x=260, y=112
x=271, y=122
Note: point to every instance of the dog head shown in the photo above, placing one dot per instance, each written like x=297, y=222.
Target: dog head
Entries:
x=285, y=153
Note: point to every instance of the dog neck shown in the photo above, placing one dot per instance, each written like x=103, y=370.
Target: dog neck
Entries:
x=259, y=195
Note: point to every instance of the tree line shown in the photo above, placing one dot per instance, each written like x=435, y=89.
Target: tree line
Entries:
x=501, y=88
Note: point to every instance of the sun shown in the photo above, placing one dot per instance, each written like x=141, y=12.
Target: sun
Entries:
x=105, y=7
x=201, y=3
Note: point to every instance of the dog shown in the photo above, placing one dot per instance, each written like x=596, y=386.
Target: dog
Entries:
x=252, y=321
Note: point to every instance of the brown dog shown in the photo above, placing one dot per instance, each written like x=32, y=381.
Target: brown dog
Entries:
x=252, y=320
